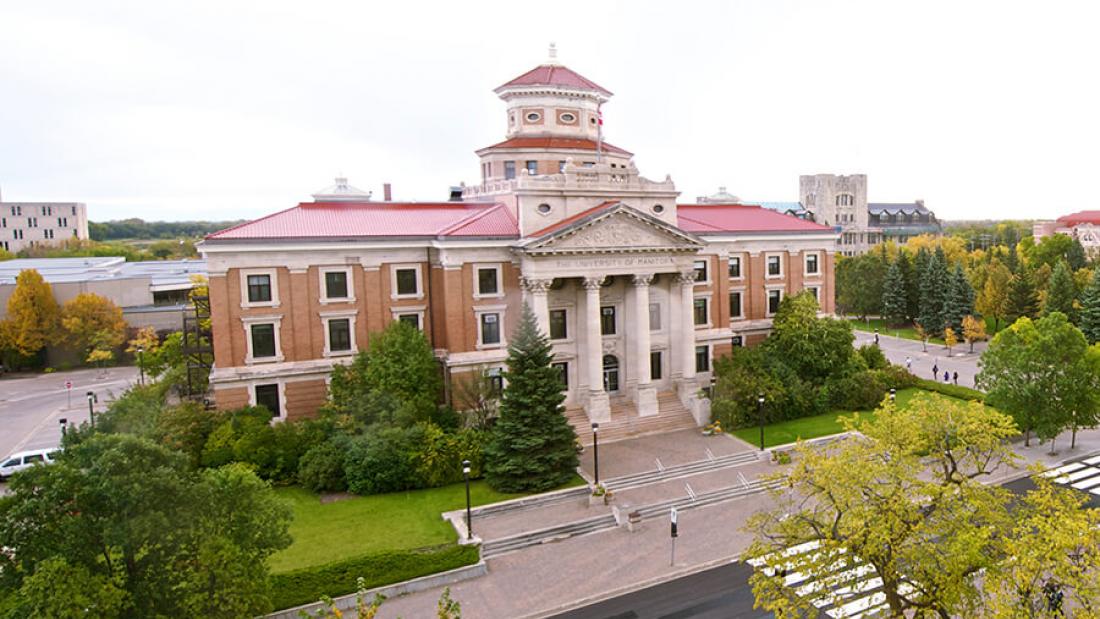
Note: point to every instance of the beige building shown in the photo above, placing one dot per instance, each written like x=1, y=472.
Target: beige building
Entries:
x=27, y=224
x=638, y=294
x=1082, y=225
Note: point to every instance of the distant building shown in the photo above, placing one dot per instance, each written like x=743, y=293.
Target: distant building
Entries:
x=1082, y=225
x=151, y=294
x=28, y=224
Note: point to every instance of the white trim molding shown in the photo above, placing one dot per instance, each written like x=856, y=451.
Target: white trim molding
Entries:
x=276, y=321
x=416, y=266
x=496, y=266
x=273, y=282
x=348, y=273
x=326, y=318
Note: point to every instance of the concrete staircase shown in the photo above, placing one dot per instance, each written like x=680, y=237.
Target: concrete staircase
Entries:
x=638, y=480
x=498, y=547
x=625, y=422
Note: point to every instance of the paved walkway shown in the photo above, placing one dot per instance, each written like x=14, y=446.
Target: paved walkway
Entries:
x=647, y=453
x=925, y=357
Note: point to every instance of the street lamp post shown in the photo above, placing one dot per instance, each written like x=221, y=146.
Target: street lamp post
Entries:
x=893, y=395
x=63, y=422
x=760, y=412
x=596, y=450
x=91, y=409
x=466, y=476
x=141, y=363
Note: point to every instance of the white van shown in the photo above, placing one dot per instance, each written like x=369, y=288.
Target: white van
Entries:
x=24, y=460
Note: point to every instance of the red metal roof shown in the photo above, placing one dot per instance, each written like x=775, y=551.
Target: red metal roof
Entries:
x=712, y=218
x=555, y=75
x=563, y=143
x=1080, y=217
x=378, y=219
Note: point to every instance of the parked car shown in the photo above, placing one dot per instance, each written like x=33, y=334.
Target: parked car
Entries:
x=24, y=460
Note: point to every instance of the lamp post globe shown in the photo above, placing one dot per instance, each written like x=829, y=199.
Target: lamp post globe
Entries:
x=760, y=413
x=91, y=408
x=466, y=477
x=893, y=394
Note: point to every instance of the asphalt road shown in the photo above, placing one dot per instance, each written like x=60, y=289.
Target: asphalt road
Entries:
x=32, y=405
x=923, y=358
x=718, y=593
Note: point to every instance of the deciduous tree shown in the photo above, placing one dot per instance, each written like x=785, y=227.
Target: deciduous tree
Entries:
x=532, y=444
x=993, y=298
x=92, y=323
x=949, y=339
x=973, y=330
x=814, y=347
x=33, y=315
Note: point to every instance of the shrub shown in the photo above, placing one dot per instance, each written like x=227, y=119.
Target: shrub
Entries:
x=383, y=461
x=873, y=356
x=247, y=436
x=136, y=411
x=187, y=428
x=377, y=569
x=862, y=391
x=321, y=469
x=955, y=391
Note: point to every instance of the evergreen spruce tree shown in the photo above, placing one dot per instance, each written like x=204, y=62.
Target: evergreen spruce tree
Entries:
x=532, y=444
x=895, y=304
x=1023, y=299
x=1089, y=315
x=912, y=287
x=1012, y=260
x=933, y=290
x=959, y=300
x=1076, y=255
x=1061, y=293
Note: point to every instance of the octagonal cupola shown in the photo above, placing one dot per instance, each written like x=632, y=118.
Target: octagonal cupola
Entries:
x=553, y=100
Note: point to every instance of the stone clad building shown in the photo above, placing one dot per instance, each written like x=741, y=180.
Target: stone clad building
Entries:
x=637, y=293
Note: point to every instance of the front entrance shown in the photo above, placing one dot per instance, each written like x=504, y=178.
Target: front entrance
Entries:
x=610, y=373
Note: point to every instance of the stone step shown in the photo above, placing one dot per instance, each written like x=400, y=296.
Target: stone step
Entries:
x=512, y=543
x=638, y=480
x=531, y=502
x=656, y=510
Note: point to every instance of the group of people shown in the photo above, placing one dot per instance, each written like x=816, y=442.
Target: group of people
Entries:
x=948, y=377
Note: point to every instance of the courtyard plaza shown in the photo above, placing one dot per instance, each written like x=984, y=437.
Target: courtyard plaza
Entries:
x=551, y=578
x=925, y=357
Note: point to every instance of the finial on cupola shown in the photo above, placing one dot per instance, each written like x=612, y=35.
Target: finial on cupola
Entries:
x=553, y=58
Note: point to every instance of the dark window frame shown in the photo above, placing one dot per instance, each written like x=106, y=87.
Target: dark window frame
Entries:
x=330, y=284
x=260, y=345
x=607, y=320
x=269, y=390
x=256, y=289
x=481, y=282
x=493, y=331
x=398, y=283
x=344, y=336
x=559, y=324
x=734, y=267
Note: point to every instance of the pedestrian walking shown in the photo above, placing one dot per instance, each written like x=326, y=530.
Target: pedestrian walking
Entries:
x=908, y=364
x=935, y=370
x=955, y=377
x=876, y=337
x=946, y=377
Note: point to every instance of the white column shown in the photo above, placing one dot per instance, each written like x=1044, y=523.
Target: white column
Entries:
x=599, y=407
x=687, y=325
x=537, y=291
x=646, y=398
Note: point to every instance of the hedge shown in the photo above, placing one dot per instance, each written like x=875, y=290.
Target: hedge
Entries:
x=307, y=585
x=955, y=391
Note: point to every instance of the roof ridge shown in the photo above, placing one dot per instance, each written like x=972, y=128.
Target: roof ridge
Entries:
x=471, y=218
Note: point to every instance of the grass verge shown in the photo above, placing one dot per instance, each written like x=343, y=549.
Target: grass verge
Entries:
x=826, y=424
x=909, y=333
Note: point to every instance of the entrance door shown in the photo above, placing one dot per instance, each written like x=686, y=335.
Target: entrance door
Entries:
x=610, y=373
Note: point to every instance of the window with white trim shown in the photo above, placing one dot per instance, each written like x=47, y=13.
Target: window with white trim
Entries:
x=655, y=365
x=487, y=281
x=813, y=264
x=736, y=311
x=814, y=291
x=559, y=328
x=406, y=281
x=259, y=288
x=702, y=358
x=339, y=335
x=489, y=329
x=563, y=373
x=263, y=341
x=735, y=267
x=701, y=274
x=267, y=396
x=702, y=317
x=775, y=297
x=775, y=265
x=607, y=320
x=336, y=285
x=412, y=319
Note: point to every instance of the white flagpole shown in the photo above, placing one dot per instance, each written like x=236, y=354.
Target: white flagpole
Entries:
x=599, y=133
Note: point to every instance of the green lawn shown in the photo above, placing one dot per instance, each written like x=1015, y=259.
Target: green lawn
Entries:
x=819, y=425
x=908, y=333
x=324, y=533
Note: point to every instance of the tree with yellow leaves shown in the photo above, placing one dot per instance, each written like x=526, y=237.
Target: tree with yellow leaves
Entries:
x=922, y=335
x=973, y=330
x=93, y=323
x=32, y=321
x=950, y=339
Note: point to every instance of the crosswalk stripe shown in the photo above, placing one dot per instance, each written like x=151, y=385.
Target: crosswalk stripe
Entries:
x=1093, y=460
x=1064, y=469
x=1087, y=471
x=1088, y=483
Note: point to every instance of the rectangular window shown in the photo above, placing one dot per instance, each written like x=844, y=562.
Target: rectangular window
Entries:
x=607, y=320
x=413, y=320
x=336, y=284
x=532, y=167
x=267, y=396
x=558, y=328
x=701, y=317
x=735, y=267
x=259, y=288
x=701, y=270
x=509, y=170
x=263, y=340
x=774, y=266
x=563, y=374
x=774, y=297
x=811, y=264
x=490, y=328
x=74, y=210
x=654, y=316
x=406, y=282
x=3, y=222
x=702, y=358
x=655, y=365
x=735, y=304
x=339, y=335
x=561, y=167
x=487, y=281
x=813, y=291
x=496, y=381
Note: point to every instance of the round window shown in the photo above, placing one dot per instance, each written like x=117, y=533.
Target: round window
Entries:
x=568, y=118
x=533, y=116
x=592, y=120
x=544, y=208
x=657, y=208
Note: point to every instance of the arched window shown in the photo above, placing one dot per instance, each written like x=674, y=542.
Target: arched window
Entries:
x=845, y=199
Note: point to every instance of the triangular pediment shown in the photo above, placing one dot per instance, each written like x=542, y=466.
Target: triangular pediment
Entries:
x=617, y=228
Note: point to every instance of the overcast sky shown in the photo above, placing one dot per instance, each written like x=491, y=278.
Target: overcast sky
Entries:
x=224, y=109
